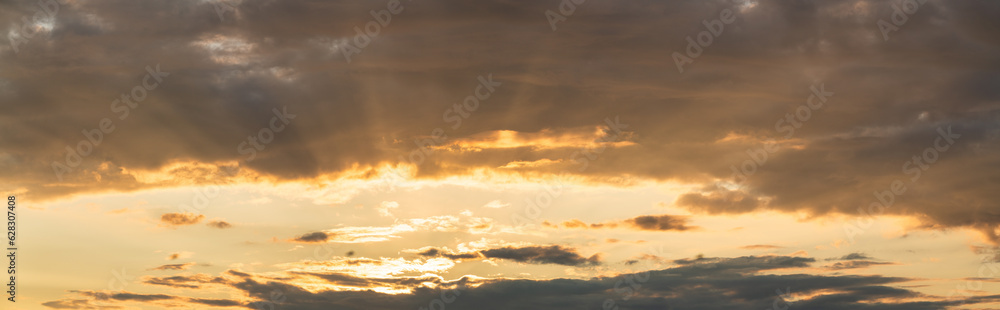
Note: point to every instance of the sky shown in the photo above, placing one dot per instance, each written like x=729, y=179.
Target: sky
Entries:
x=500, y=154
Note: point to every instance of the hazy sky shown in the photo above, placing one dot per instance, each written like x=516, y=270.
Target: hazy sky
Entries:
x=499, y=154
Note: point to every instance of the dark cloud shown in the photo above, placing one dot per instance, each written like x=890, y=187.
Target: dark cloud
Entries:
x=543, y=255
x=553, y=254
x=455, y=256
x=711, y=283
x=855, y=264
x=193, y=281
x=315, y=237
x=992, y=254
x=607, y=60
x=138, y=297
x=659, y=222
x=647, y=257
x=216, y=302
x=183, y=266
x=852, y=256
x=854, y=260
x=181, y=219
x=101, y=300
x=237, y=273
x=747, y=262
x=219, y=224
x=76, y=304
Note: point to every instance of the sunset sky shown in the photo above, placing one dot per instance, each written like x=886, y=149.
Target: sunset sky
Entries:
x=501, y=154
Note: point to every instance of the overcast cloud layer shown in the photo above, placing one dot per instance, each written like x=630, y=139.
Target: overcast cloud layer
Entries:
x=607, y=60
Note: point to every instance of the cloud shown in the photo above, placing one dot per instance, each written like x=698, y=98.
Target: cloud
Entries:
x=496, y=204
x=992, y=253
x=314, y=237
x=101, y=300
x=663, y=222
x=747, y=262
x=719, y=200
x=856, y=264
x=659, y=222
x=183, y=266
x=856, y=260
x=77, y=304
x=216, y=302
x=219, y=224
x=355, y=234
x=853, y=256
x=553, y=254
x=384, y=207
x=644, y=257
x=709, y=283
x=432, y=252
x=193, y=281
x=181, y=219
x=179, y=255
x=138, y=297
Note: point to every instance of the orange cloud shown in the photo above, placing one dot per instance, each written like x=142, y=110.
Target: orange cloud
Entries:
x=180, y=219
